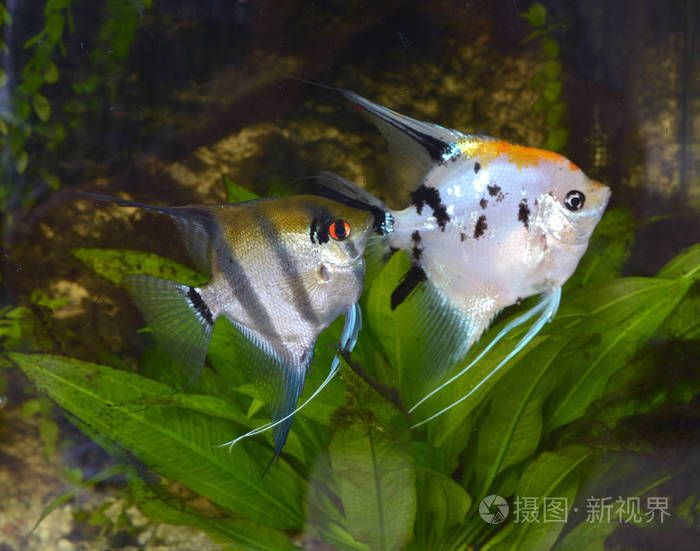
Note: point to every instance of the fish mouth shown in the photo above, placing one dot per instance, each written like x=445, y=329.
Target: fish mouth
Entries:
x=575, y=228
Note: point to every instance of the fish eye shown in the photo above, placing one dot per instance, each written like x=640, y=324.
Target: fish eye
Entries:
x=339, y=230
x=574, y=200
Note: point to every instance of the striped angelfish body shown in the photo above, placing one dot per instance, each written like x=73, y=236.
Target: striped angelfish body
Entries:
x=281, y=271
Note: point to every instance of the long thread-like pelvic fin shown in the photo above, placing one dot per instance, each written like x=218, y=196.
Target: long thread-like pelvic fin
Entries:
x=548, y=307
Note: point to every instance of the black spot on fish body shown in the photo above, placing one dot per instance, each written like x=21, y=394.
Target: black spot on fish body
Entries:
x=480, y=227
x=524, y=213
x=408, y=284
x=430, y=196
x=417, y=250
x=199, y=305
x=493, y=190
x=484, y=203
x=477, y=168
x=462, y=237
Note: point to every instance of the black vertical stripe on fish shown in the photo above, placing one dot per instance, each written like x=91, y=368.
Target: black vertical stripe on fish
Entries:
x=414, y=277
x=241, y=285
x=302, y=301
x=319, y=230
x=417, y=250
x=524, y=213
x=430, y=196
x=477, y=168
x=480, y=227
x=198, y=304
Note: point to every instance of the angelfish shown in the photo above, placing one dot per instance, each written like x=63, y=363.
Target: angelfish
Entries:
x=486, y=223
x=281, y=271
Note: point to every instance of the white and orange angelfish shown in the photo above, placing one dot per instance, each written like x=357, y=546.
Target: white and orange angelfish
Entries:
x=487, y=224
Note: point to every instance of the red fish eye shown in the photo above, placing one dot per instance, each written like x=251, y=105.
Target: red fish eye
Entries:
x=339, y=230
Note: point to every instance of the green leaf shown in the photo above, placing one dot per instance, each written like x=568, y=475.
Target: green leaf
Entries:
x=21, y=162
x=552, y=90
x=50, y=73
x=552, y=70
x=536, y=15
x=550, y=47
x=512, y=429
x=376, y=482
x=42, y=107
x=54, y=26
x=556, y=139
x=3, y=80
x=623, y=316
x=179, y=444
x=442, y=505
x=115, y=264
x=236, y=193
x=685, y=265
x=551, y=475
x=171, y=510
x=5, y=16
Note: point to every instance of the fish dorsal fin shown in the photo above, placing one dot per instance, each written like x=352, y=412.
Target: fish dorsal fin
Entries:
x=197, y=228
x=344, y=191
x=414, y=146
x=195, y=224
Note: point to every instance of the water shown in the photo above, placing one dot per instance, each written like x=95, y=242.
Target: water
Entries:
x=162, y=103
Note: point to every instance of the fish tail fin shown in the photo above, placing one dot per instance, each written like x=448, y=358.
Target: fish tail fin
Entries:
x=178, y=316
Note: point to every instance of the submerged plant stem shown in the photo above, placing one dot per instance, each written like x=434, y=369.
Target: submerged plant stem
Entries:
x=390, y=394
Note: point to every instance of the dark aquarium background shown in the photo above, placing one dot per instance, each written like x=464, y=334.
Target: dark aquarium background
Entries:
x=590, y=437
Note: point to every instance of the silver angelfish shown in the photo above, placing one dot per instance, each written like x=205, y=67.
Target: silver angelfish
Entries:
x=281, y=271
x=487, y=224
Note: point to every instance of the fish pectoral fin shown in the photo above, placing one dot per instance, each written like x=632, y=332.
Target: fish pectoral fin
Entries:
x=177, y=315
x=414, y=146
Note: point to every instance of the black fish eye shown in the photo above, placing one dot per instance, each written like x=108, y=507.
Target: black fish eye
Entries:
x=574, y=200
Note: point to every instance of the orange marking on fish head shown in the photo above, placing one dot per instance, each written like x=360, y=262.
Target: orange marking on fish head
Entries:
x=518, y=155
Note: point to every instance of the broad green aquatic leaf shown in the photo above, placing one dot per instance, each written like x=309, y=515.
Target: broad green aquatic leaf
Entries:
x=115, y=264
x=512, y=428
x=551, y=475
x=686, y=264
x=376, y=482
x=231, y=533
x=623, y=316
x=177, y=443
x=442, y=504
x=236, y=193
x=591, y=536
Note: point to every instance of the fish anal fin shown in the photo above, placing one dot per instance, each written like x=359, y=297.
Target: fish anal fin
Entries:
x=414, y=277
